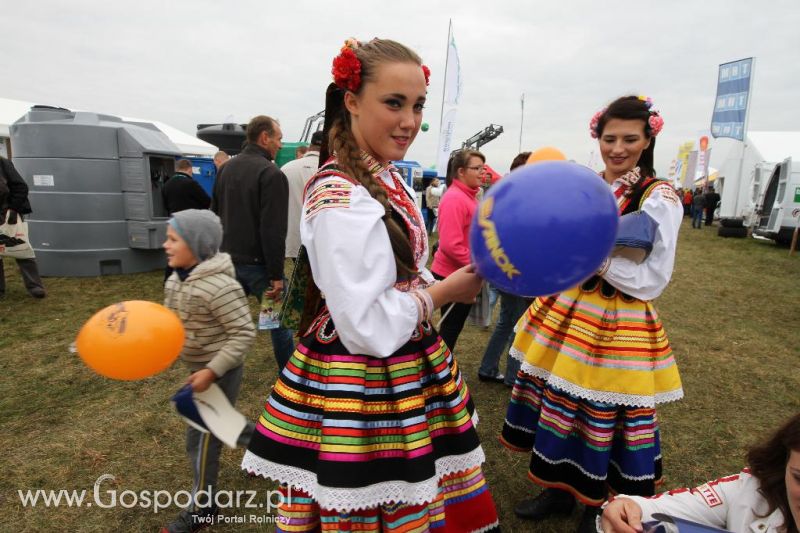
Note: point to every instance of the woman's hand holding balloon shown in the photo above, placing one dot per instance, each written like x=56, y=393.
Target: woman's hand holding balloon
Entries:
x=461, y=286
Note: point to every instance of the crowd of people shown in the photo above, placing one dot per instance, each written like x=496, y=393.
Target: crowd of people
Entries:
x=699, y=202
x=370, y=425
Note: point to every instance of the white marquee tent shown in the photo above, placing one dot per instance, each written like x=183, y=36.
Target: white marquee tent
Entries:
x=764, y=149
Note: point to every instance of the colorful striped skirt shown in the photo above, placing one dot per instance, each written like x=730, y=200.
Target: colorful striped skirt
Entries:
x=595, y=362
x=388, y=443
x=463, y=502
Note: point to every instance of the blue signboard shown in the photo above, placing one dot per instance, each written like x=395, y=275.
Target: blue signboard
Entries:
x=733, y=95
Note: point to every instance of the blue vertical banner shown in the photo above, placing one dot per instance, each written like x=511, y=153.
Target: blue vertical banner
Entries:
x=733, y=97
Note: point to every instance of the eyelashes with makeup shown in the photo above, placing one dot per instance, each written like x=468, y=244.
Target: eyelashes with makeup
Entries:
x=628, y=140
x=396, y=104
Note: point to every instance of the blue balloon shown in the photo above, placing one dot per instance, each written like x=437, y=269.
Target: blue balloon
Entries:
x=544, y=228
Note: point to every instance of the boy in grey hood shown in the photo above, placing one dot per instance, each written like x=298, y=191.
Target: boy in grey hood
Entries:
x=205, y=295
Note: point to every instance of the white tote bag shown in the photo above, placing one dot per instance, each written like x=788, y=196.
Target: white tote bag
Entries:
x=14, y=239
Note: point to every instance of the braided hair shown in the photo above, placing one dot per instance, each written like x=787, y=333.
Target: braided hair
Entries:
x=348, y=155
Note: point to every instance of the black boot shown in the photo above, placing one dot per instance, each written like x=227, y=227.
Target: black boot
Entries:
x=588, y=522
x=548, y=503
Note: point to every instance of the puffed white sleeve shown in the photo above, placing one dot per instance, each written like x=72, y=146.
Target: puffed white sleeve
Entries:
x=646, y=281
x=353, y=265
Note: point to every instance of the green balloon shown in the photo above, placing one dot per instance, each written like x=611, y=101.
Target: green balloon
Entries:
x=425, y=126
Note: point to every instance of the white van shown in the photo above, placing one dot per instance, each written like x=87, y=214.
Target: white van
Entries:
x=777, y=212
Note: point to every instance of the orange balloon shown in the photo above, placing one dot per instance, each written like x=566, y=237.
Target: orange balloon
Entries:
x=131, y=340
x=548, y=153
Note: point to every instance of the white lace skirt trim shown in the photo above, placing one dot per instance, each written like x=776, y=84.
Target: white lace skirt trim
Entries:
x=569, y=461
x=632, y=478
x=353, y=499
x=614, y=398
x=518, y=355
x=518, y=428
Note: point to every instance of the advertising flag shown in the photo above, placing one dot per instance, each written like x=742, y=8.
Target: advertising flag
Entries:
x=452, y=94
x=733, y=98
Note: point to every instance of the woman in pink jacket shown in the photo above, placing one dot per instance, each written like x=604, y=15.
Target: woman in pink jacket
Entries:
x=455, y=214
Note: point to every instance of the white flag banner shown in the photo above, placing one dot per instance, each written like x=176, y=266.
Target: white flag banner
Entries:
x=691, y=170
x=702, y=169
x=452, y=94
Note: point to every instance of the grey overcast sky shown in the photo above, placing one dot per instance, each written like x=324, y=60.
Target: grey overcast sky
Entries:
x=188, y=62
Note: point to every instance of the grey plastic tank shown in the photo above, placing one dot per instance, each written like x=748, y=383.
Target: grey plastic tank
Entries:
x=95, y=188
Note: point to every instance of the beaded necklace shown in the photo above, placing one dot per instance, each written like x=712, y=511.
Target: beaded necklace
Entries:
x=403, y=204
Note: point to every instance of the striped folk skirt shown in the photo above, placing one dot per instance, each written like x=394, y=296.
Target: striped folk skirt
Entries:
x=372, y=444
x=595, y=362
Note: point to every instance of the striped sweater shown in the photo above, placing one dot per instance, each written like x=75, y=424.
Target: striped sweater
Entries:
x=215, y=314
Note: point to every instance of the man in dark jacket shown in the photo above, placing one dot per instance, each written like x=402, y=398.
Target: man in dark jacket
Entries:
x=181, y=191
x=13, y=206
x=712, y=198
x=251, y=197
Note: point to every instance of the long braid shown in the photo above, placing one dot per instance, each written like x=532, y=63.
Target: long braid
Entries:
x=348, y=156
x=342, y=143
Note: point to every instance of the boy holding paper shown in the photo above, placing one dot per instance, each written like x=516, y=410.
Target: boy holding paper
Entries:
x=205, y=295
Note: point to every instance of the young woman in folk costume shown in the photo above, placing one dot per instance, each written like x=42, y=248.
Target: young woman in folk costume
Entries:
x=595, y=359
x=370, y=426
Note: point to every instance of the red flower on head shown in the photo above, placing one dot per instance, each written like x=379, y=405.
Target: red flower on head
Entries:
x=427, y=72
x=346, y=70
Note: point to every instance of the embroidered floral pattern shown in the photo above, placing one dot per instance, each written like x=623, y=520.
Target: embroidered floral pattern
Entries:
x=334, y=193
x=405, y=206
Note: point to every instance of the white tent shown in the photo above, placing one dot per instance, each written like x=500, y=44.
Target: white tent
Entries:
x=189, y=145
x=10, y=112
x=775, y=146
x=741, y=174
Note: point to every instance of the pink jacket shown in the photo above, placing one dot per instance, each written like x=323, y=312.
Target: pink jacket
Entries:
x=455, y=215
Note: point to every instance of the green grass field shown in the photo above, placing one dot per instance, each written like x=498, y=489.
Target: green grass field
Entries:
x=732, y=314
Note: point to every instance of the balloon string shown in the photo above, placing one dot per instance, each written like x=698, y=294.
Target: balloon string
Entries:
x=439, y=324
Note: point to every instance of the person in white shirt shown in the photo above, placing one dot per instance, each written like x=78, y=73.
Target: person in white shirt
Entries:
x=763, y=498
x=298, y=172
x=433, y=194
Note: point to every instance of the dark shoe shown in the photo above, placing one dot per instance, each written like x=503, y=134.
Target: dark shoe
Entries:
x=548, y=503
x=37, y=292
x=588, y=522
x=499, y=378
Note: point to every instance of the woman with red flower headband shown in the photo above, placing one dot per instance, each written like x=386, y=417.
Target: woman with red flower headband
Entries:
x=370, y=425
x=595, y=360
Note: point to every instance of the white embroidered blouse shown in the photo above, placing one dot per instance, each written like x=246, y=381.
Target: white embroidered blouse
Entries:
x=354, y=267
x=646, y=281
